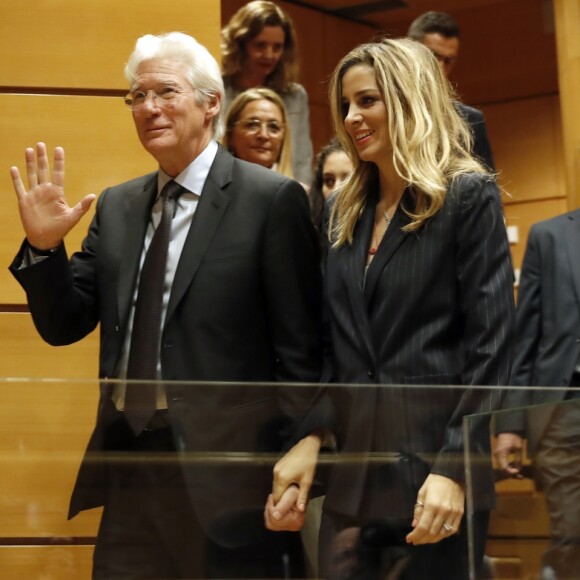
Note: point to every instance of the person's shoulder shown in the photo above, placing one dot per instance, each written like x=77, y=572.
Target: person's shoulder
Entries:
x=133, y=185
x=470, y=186
x=470, y=114
x=295, y=91
x=297, y=88
x=556, y=223
x=258, y=178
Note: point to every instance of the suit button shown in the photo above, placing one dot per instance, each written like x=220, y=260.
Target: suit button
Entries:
x=168, y=345
x=371, y=373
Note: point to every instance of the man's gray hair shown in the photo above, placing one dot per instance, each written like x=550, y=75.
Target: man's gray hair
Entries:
x=199, y=66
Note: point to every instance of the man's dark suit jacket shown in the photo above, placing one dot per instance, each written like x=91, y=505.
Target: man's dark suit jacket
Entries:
x=481, y=147
x=436, y=309
x=548, y=325
x=244, y=306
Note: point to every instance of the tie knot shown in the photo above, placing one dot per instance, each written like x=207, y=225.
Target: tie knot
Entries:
x=172, y=190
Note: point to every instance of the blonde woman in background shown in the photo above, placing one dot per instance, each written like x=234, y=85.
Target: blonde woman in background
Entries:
x=256, y=130
x=259, y=49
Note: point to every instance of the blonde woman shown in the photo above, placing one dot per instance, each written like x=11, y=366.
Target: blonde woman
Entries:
x=257, y=130
x=259, y=48
x=419, y=292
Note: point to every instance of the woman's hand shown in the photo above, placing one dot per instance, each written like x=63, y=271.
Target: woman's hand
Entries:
x=293, y=477
x=438, y=511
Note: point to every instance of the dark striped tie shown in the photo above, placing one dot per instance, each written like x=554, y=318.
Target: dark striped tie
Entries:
x=140, y=398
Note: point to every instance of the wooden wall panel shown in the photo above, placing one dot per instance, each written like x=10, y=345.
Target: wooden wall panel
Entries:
x=46, y=562
x=320, y=125
x=101, y=149
x=526, y=139
x=44, y=429
x=25, y=354
x=508, y=51
x=567, y=17
x=86, y=45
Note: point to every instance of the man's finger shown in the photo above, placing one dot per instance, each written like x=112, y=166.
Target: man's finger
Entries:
x=17, y=182
x=303, y=495
x=58, y=170
x=31, y=168
x=286, y=503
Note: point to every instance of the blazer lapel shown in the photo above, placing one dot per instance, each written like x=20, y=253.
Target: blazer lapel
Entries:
x=573, y=242
x=137, y=215
x=212, y=205
x=391, y=242
x=355, y=274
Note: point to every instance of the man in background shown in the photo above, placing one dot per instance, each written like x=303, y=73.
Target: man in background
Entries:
x=548, y=355
x=440, y=33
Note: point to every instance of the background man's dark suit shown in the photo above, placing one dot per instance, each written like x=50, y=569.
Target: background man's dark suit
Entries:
x=436, y=309
x=481, y=147
x=244, y=307
x=547, y=354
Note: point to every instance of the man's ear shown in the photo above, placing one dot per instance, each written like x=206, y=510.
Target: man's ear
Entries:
x=213, y=107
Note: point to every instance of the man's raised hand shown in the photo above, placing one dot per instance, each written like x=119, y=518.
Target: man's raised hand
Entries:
x=46, y=216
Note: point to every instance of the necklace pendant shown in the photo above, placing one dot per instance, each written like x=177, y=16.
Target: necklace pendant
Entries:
x=372, y=251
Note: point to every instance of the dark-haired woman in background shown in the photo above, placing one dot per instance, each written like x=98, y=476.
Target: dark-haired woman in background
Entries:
x=332, y=167
x=259, y=49
x=419, y=292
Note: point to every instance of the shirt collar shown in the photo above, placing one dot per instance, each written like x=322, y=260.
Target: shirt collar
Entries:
x=194, y=175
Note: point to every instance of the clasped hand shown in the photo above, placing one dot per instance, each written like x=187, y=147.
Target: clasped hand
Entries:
x=293, y=476
x=46, y=216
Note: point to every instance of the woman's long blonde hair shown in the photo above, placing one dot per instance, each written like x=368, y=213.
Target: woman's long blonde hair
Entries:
x=236, y=109
x=430, y=140
x=244, y=26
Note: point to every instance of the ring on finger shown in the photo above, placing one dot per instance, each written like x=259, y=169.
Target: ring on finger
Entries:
x=446, y=528
x=419, y=504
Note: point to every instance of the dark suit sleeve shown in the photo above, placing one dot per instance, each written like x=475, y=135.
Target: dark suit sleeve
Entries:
x=481, y=147
x=62, y=294
x=528, y=332
x=292, y=282
x=481, y=144
x=484, y=274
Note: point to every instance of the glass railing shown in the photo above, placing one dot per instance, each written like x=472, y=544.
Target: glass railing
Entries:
x=534, y=530
x=204, y=471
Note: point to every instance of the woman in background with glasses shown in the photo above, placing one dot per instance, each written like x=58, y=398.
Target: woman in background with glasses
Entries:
x=256, y=130
x=259, y=50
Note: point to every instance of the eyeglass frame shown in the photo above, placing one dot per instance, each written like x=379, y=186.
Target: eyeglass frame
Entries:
x=158, y=97
x=241, y=122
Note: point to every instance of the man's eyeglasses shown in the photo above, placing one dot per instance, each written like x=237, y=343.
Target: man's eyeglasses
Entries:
x=163, y=94
x=254, y=126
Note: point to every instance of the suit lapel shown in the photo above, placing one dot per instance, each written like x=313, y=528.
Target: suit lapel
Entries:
x=354, y=273
x=391, y=242
x=212, y=205
x=137, y=216
x=572, y=245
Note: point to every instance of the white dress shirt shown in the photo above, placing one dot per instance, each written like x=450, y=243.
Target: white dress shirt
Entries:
x=192, y=178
